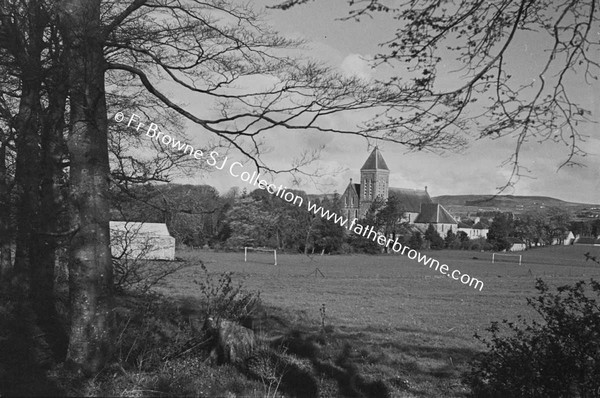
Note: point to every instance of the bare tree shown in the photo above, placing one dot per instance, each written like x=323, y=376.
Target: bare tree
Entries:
x=216, y=53
x=489, y=95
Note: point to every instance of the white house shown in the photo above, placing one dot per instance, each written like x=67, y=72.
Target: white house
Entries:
x=478, y=230
x=588, y=240
x=136, y=240
x=567, y=239
x=517, y=245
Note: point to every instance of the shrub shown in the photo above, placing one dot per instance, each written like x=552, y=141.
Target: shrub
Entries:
x=416, y=241
x=150, y=330
x=132, y=271
x=501, y=244
x=140, y=275
x=433, y=237
x=456, y=245
x=450, y=238
x=462, y=236
x=360, y=244
x=346, y=248
x=557, y=357
x=223, y=299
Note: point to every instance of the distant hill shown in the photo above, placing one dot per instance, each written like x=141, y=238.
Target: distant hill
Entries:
x=515, y=204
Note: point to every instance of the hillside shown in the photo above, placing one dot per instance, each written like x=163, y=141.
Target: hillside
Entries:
x=516, y=204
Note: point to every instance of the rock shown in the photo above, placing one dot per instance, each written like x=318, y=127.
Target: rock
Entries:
x=233, y=342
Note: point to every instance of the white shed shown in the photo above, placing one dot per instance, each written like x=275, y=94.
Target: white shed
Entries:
x=137, y=240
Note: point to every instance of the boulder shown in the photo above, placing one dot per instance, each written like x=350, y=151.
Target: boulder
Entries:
x=233, y=342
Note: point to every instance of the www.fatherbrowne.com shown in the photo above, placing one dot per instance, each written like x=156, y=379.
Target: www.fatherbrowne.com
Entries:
x=370, y=233
x=236, y=170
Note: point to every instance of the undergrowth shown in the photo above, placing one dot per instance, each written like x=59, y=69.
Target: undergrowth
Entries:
x=161, y=349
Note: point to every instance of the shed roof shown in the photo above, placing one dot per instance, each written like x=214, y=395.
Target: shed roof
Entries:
x=140, y=228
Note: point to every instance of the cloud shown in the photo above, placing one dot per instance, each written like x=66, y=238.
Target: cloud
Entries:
x=357, y=65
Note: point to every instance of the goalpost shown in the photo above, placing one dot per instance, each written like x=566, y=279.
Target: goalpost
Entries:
x=499, y=257
x=258, y=249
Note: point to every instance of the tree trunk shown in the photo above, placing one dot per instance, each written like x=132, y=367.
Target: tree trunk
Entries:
x=5, y=215
x=27, y=178
x=90, y=267
x=53, y=217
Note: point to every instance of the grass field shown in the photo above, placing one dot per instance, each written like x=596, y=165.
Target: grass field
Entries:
x=405, y=322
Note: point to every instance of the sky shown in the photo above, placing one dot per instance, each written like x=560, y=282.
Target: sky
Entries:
x=348, y=45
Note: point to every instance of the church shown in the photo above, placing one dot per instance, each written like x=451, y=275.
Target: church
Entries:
x=419, y=209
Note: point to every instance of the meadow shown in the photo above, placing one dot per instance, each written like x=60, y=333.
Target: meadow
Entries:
x=406, y=323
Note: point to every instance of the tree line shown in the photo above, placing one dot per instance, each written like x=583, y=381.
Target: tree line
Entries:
x=198, y=216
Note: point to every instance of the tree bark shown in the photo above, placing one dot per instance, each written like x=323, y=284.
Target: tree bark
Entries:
x=53, y=215
x=27, y=177
x=90, y=267
x=5, y=215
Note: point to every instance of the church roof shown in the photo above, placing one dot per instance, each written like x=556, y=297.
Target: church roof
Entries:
x=411, y=199
x=375, y=161
x=434, y=213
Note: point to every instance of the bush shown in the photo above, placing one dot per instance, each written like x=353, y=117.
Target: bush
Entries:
x=433, y=237
x=132, y=270
x=416, y=241
x=558, y=357
x=150, y=330
x=139, y=275
x=346, y=248
x=361, y=244
x=223, y=299
x=456, y=245
x=500, y=244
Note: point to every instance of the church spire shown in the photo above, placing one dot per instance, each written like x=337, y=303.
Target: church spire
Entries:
x=375, y=161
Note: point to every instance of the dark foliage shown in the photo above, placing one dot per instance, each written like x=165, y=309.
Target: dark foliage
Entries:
x=434, y=238
x=416, y=241
x=151, y=330
x=501, y=228
x=558, y=356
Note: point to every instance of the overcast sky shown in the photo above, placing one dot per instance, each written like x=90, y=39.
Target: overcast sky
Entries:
x=478, y=169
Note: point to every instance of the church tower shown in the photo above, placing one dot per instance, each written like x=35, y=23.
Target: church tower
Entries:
x=374, y=180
